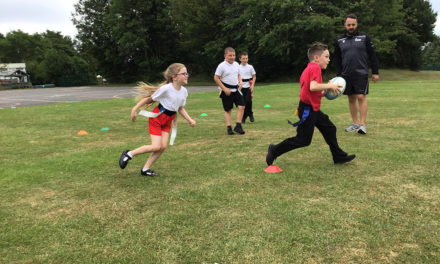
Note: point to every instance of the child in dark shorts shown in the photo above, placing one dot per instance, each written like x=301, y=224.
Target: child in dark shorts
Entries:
x=228, y=79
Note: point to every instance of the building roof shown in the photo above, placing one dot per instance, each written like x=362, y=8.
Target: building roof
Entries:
x=13, y=65
x=10, y=68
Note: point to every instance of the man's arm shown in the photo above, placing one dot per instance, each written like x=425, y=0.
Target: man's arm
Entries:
x=373, y=59
x=338, y=59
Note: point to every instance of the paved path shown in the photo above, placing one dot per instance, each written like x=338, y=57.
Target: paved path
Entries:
x=42, y=96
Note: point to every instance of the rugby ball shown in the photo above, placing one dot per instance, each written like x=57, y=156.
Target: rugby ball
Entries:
x=340, y=81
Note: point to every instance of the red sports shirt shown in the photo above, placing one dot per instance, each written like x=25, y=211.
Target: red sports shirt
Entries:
x=311, y=73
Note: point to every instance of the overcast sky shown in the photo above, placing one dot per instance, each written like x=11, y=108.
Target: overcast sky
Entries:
x=33, y=16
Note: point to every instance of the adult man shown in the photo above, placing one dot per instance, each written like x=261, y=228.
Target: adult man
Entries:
x=352, y=51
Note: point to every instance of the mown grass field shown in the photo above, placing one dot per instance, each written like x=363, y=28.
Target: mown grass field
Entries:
x=65, y=200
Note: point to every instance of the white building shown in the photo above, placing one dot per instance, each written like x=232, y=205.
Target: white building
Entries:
x=13, y=75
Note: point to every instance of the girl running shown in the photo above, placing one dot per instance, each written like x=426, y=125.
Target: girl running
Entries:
x=171, y=96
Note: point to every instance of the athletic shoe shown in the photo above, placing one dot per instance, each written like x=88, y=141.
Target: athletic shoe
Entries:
x=238, y=129
x=344, y=159
x=270, y=157
x=149, y=173
x=362, y=129
x=251, y=118
x=352, y=128
x=230, y=131
x=124, y=159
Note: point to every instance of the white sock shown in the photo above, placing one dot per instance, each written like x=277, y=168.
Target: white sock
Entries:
x=129, y=154
x=145, y=169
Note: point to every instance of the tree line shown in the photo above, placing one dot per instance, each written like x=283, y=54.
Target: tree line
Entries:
x=50, y=57
x=131, y=40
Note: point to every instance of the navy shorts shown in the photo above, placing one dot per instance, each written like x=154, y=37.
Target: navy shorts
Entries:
x=228, y=101
x=356, y=85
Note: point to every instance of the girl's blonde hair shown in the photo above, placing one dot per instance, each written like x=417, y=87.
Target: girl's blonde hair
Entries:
x=146, y=90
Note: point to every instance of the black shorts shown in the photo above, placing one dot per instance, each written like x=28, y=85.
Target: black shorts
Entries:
x=356, y=85
x=228, y=101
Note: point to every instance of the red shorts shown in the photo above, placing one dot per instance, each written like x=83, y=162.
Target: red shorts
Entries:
x=161, y=123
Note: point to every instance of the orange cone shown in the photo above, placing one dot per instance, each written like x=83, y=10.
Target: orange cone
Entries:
x=273, y=169
x=82, y=132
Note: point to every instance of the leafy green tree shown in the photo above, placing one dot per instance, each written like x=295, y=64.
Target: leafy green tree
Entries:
x=145, y=36
x=431, y=55
x=95, y=41
x=419, y=23
x=49, y=57
x=201, y=39
x=128, y=39
x=18, y=46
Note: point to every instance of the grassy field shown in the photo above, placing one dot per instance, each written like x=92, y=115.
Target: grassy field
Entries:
x=65, y=200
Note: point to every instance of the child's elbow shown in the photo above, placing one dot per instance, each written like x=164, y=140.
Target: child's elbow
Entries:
x=314, y=86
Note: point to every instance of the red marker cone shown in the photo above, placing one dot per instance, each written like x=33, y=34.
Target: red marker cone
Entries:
x=273, y=169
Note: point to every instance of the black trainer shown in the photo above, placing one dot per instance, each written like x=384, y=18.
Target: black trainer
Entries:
x=124, y=159
x=230, y=132
x=149, y=173
x=238, y=129
x=345, y=159
x=251, y=118
x=270, y=157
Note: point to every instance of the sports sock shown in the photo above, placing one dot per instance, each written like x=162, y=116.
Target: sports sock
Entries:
x=145, y=169
x=129, y=154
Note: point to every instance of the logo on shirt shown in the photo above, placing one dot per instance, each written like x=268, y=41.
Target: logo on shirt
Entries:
x=357, y=39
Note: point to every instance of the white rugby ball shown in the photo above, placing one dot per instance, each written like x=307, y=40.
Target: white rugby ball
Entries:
x=339, y=81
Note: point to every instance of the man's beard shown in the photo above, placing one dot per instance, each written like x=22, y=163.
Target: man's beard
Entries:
x=351, y=32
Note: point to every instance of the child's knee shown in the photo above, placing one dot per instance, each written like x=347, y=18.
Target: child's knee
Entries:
x=305, y=143
x=163, y=147
x=155, y=148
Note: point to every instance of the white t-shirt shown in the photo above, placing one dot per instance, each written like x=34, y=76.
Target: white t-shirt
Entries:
x=169, y=97
x=228, y=72
x=246, y=72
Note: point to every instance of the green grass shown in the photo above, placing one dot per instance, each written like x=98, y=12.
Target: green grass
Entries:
x=65, y=200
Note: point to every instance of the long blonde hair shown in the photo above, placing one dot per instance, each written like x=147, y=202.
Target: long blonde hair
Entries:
x=146, y=90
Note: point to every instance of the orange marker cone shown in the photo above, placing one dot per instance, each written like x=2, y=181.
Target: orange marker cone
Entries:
x=273, y=169
x=82, y=132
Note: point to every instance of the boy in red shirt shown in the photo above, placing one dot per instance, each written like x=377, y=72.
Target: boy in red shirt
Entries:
x=312, y=89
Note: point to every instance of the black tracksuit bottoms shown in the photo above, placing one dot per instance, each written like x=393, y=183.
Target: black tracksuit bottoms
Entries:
x=247, y=96
x=305, y=131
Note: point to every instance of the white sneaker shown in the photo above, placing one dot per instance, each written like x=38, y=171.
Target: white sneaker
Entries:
x=362, y=130
x=352, y=128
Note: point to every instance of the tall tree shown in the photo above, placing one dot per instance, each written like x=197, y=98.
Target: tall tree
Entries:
x=431, y=55
x=201, y=39
x=419, y=20
x=94, y=35
x=129, y=39
x=18, y=46
x=145, y=35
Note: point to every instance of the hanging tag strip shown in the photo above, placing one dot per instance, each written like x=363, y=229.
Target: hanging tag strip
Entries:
x=303, y=117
